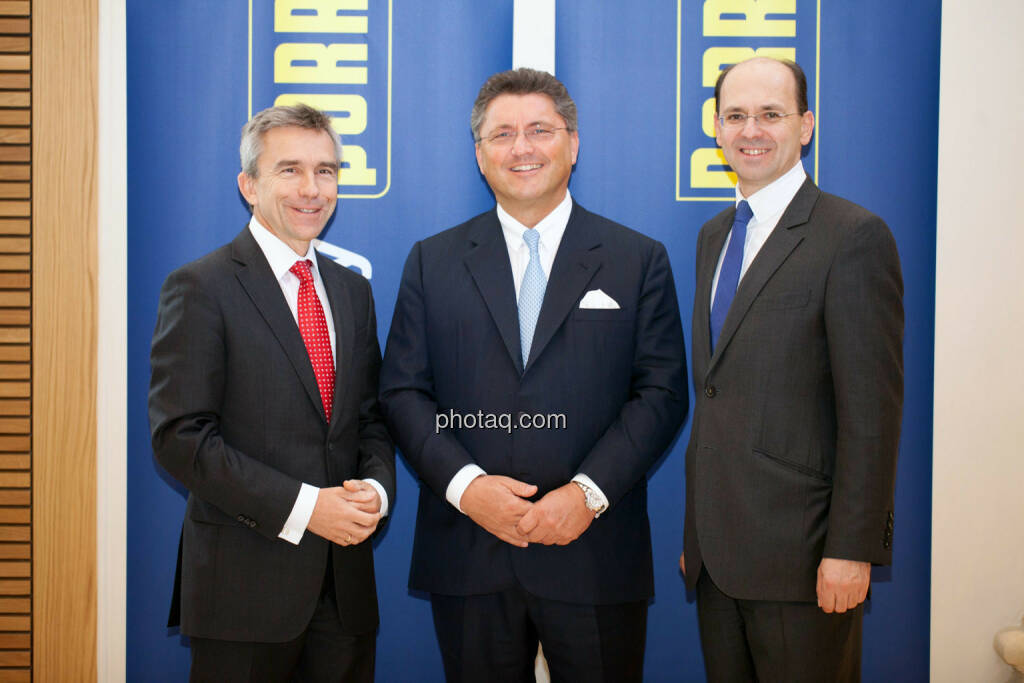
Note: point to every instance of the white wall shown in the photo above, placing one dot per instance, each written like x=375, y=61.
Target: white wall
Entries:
x=978, y=481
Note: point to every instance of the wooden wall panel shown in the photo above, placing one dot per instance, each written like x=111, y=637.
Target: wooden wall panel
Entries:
x=62, y=208
x=15, y=338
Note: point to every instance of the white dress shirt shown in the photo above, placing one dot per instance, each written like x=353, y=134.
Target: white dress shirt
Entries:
x=281, y=258
x=768, y=205
x=551, y=229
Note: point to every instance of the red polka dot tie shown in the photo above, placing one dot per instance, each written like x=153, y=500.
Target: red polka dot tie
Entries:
x=313, y=328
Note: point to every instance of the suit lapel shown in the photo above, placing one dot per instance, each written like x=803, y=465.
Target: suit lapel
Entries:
x=576, y=262
x=259, y=283
x=787, y=234
x=344, y=330
x=488, y=263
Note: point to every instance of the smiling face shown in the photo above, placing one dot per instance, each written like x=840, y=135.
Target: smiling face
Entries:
x=529, y=178
x=761, y=154
x=296, y=188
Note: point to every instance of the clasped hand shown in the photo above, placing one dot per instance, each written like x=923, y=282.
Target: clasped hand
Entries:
x=346, y=514
x=499, y=505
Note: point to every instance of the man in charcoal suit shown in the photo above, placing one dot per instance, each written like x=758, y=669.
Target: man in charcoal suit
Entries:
x=798, y=371
x=263, y=403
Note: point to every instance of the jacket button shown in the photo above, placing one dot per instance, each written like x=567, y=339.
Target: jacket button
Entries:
x=710, y=391
x=241, y=518
x=252, y=524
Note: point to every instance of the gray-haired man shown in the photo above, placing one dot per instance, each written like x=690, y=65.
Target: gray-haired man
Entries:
x=263, y=404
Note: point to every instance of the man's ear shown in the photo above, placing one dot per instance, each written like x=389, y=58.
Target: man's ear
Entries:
x=806, y=127
x=247, y=186
x=478, y=153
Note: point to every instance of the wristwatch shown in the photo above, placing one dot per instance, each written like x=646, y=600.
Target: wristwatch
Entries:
x=593, y=501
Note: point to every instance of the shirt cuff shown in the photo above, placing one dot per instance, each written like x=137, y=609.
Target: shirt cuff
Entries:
x=589, y=483
x=383, y=496
x=460, y=482
x=298, y=520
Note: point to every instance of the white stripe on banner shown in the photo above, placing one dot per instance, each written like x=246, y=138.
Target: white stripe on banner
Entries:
x=533, y=34
x=533, y=45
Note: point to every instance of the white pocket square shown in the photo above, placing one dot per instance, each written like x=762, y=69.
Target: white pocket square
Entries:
x=595, y=298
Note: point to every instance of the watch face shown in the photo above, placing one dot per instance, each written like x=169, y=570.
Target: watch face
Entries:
x=592, y=501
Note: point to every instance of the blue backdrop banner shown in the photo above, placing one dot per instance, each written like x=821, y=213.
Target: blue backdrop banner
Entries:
x=400, y=78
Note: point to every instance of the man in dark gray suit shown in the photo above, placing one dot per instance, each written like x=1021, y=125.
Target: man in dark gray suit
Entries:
x=798, y=371
x=263, y=403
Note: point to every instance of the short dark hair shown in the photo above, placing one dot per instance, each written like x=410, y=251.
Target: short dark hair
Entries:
x=299, y=115
x=522, y=81
x=798, y=77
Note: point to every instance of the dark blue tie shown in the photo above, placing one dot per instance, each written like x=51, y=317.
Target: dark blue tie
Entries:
x=729, y=275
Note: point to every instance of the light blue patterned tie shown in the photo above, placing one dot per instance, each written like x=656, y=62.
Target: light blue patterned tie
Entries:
x=531, y=294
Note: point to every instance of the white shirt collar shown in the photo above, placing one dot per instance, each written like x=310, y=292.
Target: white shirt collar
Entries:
x=279, y=255
x=550, y=227
x=776, y=196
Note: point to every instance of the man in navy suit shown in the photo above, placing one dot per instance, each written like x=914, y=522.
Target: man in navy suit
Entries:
x=534, y=372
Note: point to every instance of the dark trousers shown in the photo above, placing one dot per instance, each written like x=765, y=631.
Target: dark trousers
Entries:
x=493, y=638
x=769, y=642
x=320, y=654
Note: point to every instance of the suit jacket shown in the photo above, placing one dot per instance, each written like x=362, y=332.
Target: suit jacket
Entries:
x=792, y=453
x=618, y=377
x=236, y=417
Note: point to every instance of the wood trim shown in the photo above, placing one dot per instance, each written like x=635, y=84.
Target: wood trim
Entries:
x=15, y=352
x=63, y=335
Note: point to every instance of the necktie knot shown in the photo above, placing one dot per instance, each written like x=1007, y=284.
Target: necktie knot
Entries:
x=743, y=213
x=532, y=239
x=301, y=270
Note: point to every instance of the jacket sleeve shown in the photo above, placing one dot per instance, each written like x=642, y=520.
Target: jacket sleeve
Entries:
x=658, y=400
x=376, y=451
x=188, y=358
x=407, y=387
x=864, y=328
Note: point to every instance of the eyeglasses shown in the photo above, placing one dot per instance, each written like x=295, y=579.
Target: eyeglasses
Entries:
x=534, y=134
x=765, y=119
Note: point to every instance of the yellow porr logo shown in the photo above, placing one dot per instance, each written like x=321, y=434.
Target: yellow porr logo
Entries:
x=334, y=55
x=712, y=35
